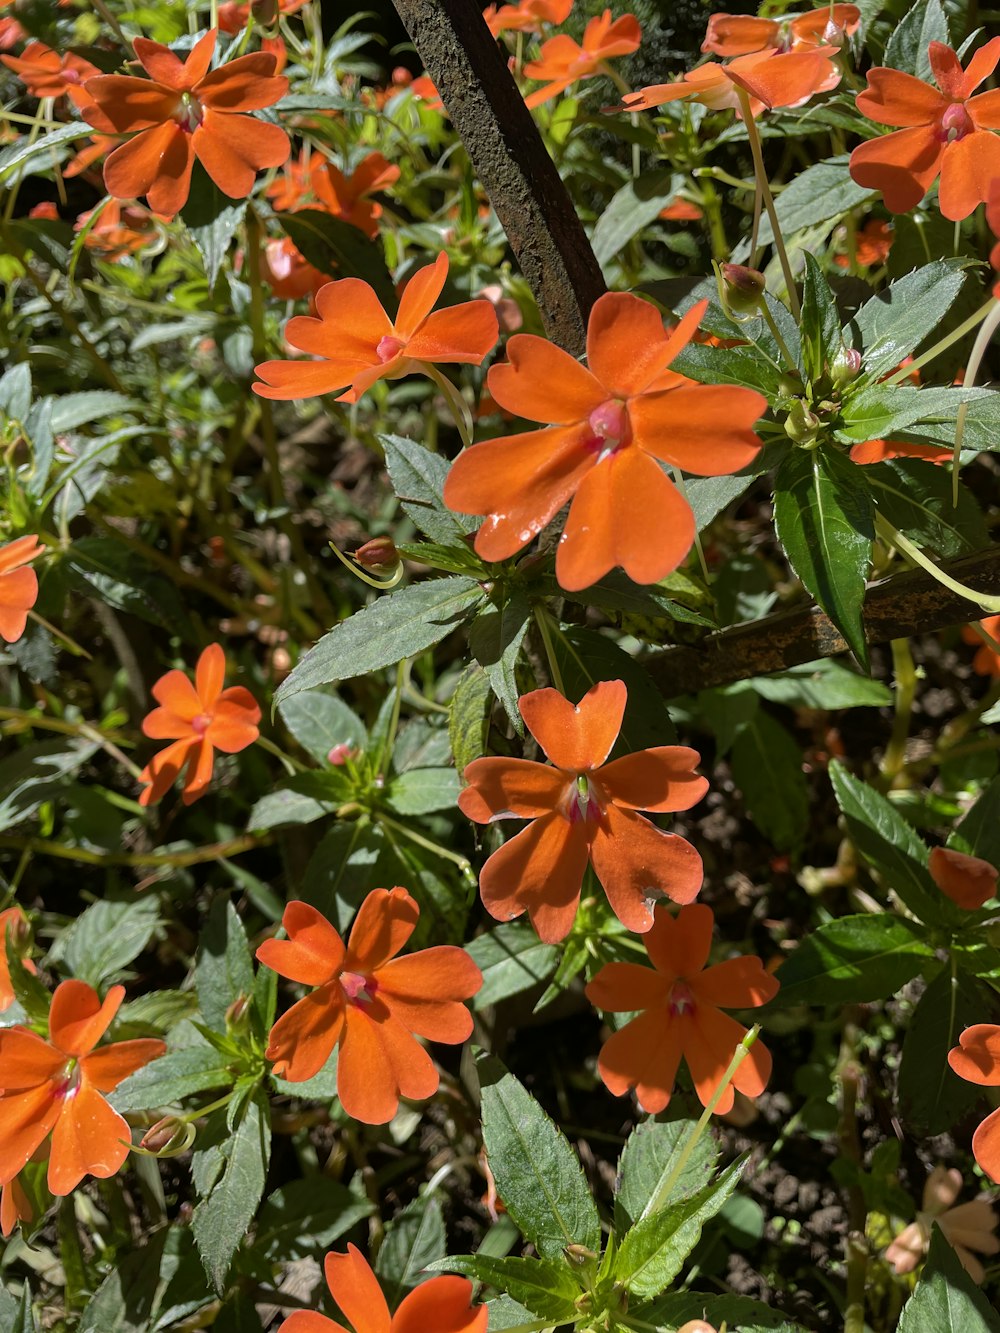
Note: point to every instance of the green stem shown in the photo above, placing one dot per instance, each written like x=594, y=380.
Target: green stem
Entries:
x=956, y=335
x=457, y=405
x=905, y=673
x=463, y=862
x=390, y=736
x=545, y=627
x=776, y=333
x=762, y=182
x=983, y=339
x=195, y=856
x=913, y=553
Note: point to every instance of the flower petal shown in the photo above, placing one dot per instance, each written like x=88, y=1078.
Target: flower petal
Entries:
x=201, y=759
x=163, y=65
x=968, y=881
x=379, y=1063
x=626, y=343
x=247, y=83
x=644, y=1055
x=977, y=1056
x=968, y=169
x=287, y=380
x=980, y=67
x=424, y=992
x=737, y=983
x=18, y=594
x=133, y=104
x=105, y=1068
x=539, y=871
x=706, y=429
x=661, y=779
x=637, y=863
x=442, y=1304
x=419, y=296
x=234, y=724
x=577, y=738
x=464, y=333
x=176, y=693
x=209, y=675
x=157, y=163
x=162, y=771
x=355, y=1288
x=619, y=988
x=314, y=952
x=19, y=552
x=232, y=149
x=985, y=110
x=710, y=1042
x=89, y=1139
x=902, y=165
x=678, y=945
x=385, y=921
x=986, y=1145
x=307, y=1321
x=895, y=98
x=25, y=1120
x=303, y=1038
x=78, y=1019
x=541, y=382
x=515, y=788
x=27, y=1060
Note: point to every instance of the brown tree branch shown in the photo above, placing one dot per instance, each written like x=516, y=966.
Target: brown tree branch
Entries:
x=509, y=158
x=897, y=607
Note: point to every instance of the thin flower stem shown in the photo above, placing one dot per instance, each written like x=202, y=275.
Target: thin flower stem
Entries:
x=905, y=673
x=463, y=862
x=956, y=335
x=913, y=553
x=776, y=333
x=28, y=720
x=457, y=405
x=682, y=487
x=113, y=23
x=75, y=648
x=983, y=339
x=765, y=189
x=390, y=736
x=667, y=1182
x=545, y=629
x=625, y=88
x=290, y=765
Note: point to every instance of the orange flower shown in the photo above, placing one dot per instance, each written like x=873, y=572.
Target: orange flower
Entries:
x=527, y=16
x=563, y=61
x=871, y=245
x=55, y=1087
x=424, y=90
x=993, y=222
x=121, y=229
x=681, y=210
x=977, y=1059
x=741, y=34
x=99, y=146
x=441, y=1305
x=358, y=343
x=287, y=271
x=233, y=17
x=199, y=719
x=877, y=451
x=584, y=809
x=45, y=73
x=987, y=659
x=946, y=133
x=371, y=1003
x=14, y=931
x=15, y=1206
x=970, y=1226
x=613, y=425
x=182, y=112
x=968, y=881
x=771, y=78
x=11, y=33
x=18, y=585
x=345, y=197
x=681, y=1016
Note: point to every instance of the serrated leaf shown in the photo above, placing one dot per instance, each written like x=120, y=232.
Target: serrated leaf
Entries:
x=916, y=497
x=319, y=720
x=305, y=1217
x=819, y=324
x=418, y=478
x=420, y=791
x=854, y=960
x=496, y=637
x=106, y=937
x=896, y=320
x=740, y=1314
x=767, y=767
x=907, y=48
x=825, y=684
x=73, y=410
x=979, y=831
x=176, y=1075
x=512, y=959
x=414, y=1239
x=820, y=193
x=469, y=716
x=638, y=202
x=212, y=219
x=335, y=247
x=946, y=1299
x=124, y=1301
x=545, y=1287
x=824, y=518
x=25, y=150
x=224, y=971
x=399, y=625
x=650, y=1152
x=537, y=1173
x=880, y=411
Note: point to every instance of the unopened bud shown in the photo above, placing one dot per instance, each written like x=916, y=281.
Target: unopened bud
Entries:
x=696, y=1326
x=169, y=1137
x=238, y=1014
x=341, y=753
x=265, y=12
x=379, y=554
x=802, y=425
x=846, y=366
x=834, y=34
x=743, y=288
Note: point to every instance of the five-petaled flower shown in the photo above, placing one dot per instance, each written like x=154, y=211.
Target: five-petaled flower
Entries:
x=56, y=1087
x=359, y=344
x=183, y=111
x=977, y=1059
x=441, y=1305
x=613, y=425
x=563, y=61
x=583, y=809
x=681, y=1003
x=199, y=719
x=371, y=1003
x=968, y=881
x=743, y=34
x=942, y=131
x=18, y=585
x=967, y=1227
x=46, y=73
x=321, y=184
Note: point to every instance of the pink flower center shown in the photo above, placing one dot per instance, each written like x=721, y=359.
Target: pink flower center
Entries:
x=201, y=723
x=584, y=805
x=389, y=347
x=680, y=1000
x=189, y=113
x=955, y=123
x=611, y=428
x=67, y=1082
x=358, y=988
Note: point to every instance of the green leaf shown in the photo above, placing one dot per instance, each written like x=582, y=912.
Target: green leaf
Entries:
x=932, y=1099
x=536, y=1171
x=545, y=1287
x=101, y=942
x=24, y=149
x=638, y=203
x=335, y=247
x=224, y=971
x=982, y=426
x=24, y=1320
x=496, y=637
x=469, y=716
x=767, y=767
x=650, y=1153
x=420, y=791
x=222, y=1219
x=746, y=366
x=105, y=567
x=979, y=831
x=32, y=774
x=824, y=684
x=740, y=1314
x=652, y=1252
x=305, y=1217
x=897, y=320
x=512, y=959
x=887, y=842
x=73, y=410
x=946, y=1299
x=212, y=219
x=400, y=625
x=414, y=1239
x=15, y=392
x=916, y=497
x=881, y=411
x=319, y=720
x=853, y=960
x=819, y=326
x=124, y=1301
x=824, y=518
x=818, y=194
x=418, y=478
x=295, y=802
x=907, y=48
x=176, y=1075
x=505, y=1314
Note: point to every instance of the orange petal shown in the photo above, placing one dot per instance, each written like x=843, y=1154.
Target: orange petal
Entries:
x=19, y=552
x=379, y=1063
x=247, y=83
x=419, y=296
x=626, y=343
x=541, y=382
x=968, y=169
x=787, y=79
x=977, y=1056
x=738, y=983
x=307, y=1321
x=895, y=98
x=132, y=104
x=662, y=779
x=199, y=772
x=626, y=512
x=302, y=1040
x=78, y=1018
x=163, y=65
x=18, y=594
x=163, y=770
x=578, y=737
x=15, y=1206
x=981, y=66
x=902, y=165
x=463, y=334
x=163, y=725
x=89, y=1139
x=27, y=1060
x=968, y=881
x=442, y=1304
x=286, y=380
x=234, y=724
x=539, y=871
x=620, y=988
x=678, y=945
x=355, y=1288
x=811, y=27
x=986, y=1146
x=644, y=1055
x=157, y=163
x=177, y=695
x=424, y=992
x=209, y=675
x=232, y=149
x=739, y=34
x=710, y=1042
x=314, y=952
x=25, y=1120
x=104, y=1069
x=638, y=863
x=355, y=313
x=385, y=921
x=703, y=428
x=515, y=788
x=985, y=110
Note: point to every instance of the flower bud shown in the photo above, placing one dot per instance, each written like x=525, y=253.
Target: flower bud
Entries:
x=238, y=1015
x=802, y=425
x=847, y=366
x=265, y=12
x=379, y=554
x=834, y=34
x=341, y=753
x=579, y=1254
x=169, y=1137
x=743, y=289
x=696, y=1326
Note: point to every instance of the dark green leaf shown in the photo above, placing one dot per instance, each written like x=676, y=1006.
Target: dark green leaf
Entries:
x=633, y=207
x=496, y=637
x=305, y=1218
x=319, y=720
x=224, y=971
x=469, y=716
x=420, y=791
x=399, y=625
x=418, y=478
x=767, y=767
x=649, y=1156
x=880, y=411
x=25, y=149
x=824, y=518
x=739, y=1313
x=211, y=218
x=853, y=960
x=818, y=194
x=414, y=1239
x=979, y=832
x=512, y=959
x=545, y=1287
x=897, y=320
x=223, y=1217
x=31, y=774
x=335, y=247
x=746, y=366
x=907, y=48
x=176, y=1075
x=124, y=1300
x=819, y=326
x=916, y=497
x=946, y=1299
x=824, y=684
x=104, y=567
